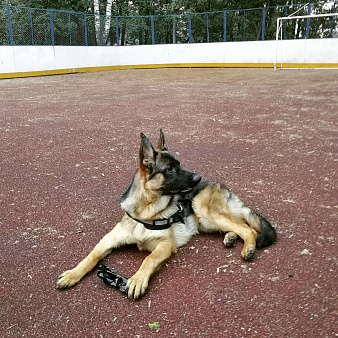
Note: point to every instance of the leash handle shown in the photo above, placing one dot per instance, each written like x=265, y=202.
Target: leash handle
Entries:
x=111, y=278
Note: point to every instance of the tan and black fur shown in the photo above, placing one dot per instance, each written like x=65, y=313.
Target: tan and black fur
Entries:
x=158, y=186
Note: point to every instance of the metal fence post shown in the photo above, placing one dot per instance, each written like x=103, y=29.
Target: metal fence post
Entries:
x=207, y=17
x=174, y=29
x=51, y=25
x=70, y=30
x=189, y=27
x=10, y=30
x=243, y=25
x=263, y=24
x=308, y=21
x=117, y=31
x=85, y=27
x=32, y=29
x=152, y=30
x=224, y=26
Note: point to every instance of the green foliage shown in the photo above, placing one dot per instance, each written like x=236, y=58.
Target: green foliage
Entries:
x=170, y=19
x=70, y=5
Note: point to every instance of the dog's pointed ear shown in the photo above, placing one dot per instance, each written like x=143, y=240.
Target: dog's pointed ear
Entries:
x=147, y=153
x=161, y=142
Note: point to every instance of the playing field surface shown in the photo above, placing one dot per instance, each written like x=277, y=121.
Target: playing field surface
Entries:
x=68, y=149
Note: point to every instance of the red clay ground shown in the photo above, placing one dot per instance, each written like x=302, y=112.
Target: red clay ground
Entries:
x=68, y=150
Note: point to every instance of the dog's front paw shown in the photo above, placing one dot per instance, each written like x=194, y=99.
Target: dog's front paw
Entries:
x=248, y=252
x=67, y=279
x=137, y=286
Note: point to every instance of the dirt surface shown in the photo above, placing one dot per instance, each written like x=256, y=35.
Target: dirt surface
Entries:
x=68, y=150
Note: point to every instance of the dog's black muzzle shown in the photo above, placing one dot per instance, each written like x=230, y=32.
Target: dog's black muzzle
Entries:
x=183, y=183
x=195, y=180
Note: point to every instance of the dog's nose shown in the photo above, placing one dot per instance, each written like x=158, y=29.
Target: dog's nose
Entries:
x=196, y=178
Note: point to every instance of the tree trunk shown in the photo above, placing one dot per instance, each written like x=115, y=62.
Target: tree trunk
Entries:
x=97, y=22
x=296, y=29
x=107, y=21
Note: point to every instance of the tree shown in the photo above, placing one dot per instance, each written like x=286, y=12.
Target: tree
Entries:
x=69, y=5
x=101, y=37
x=110, y=8
x=97, y=21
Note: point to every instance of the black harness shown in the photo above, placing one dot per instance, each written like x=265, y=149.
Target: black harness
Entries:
x=184, y=209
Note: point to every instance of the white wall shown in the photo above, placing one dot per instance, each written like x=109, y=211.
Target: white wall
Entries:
x=14, y=59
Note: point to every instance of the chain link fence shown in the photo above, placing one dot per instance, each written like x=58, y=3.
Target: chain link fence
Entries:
x=30, y=26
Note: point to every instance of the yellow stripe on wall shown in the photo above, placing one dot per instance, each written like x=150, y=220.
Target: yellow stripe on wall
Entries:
x=172, y=65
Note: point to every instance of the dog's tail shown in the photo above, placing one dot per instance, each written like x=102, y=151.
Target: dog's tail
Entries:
x=267, y=234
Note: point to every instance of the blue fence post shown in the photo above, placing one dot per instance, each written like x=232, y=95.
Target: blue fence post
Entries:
x=189, y=27
x=224, y=26
x=207, y=17
x=10, y=30
x=152, y=30
x=243, y=25
x=51, y=25
x=263, y=24
x=85, y=28
x=32, y=29
x=308, y=21
x=70, y=30
x=117, y=32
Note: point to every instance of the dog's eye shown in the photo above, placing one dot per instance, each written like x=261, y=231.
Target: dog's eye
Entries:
x=171, y=168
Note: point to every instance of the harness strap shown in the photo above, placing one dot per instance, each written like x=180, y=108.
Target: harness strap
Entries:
x=163, y=223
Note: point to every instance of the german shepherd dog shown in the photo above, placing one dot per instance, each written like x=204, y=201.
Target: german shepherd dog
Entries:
x=165, y=206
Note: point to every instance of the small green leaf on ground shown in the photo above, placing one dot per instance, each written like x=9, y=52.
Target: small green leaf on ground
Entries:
x=154, y=326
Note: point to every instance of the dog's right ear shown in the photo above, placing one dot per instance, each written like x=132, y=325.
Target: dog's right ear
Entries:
x=161, y=142
x=147, y=154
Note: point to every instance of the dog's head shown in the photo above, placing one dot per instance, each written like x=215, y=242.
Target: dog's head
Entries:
x=162, y=171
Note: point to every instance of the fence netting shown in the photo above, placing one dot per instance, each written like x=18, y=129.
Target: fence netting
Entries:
x=29, y=26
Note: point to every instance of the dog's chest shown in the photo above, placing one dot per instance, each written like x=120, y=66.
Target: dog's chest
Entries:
x=184, y=231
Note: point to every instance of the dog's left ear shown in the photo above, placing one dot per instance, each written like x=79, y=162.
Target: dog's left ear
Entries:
x=161, y=142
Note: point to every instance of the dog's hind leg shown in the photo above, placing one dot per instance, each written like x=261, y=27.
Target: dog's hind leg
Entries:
x=138, y=283
x=219, y=222
x=115, y=238
x=215, y=213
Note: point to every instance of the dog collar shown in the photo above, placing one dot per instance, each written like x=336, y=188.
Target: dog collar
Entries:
x=163, y=223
